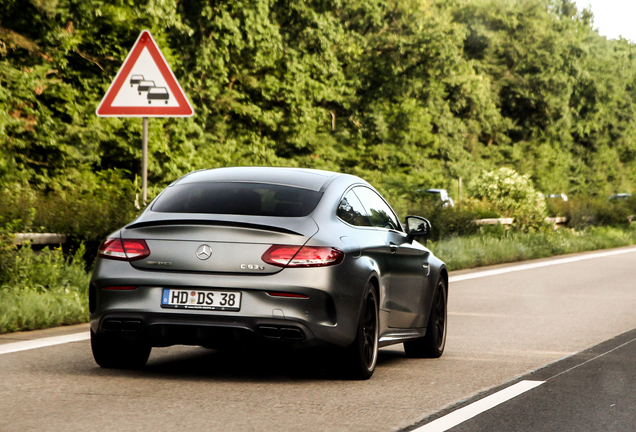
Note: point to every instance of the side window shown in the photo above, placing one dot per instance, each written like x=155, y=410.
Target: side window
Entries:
x=351, y=211
x=380, y=214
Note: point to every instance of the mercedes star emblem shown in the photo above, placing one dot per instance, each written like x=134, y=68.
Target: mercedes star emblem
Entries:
x=204, y=252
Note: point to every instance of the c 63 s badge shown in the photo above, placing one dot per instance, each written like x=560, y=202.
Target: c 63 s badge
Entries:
x=252, y=267
x=159, y=263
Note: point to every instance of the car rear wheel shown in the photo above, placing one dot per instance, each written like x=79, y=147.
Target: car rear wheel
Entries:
x=118, y=354
x=433, y=343
x=362, y=355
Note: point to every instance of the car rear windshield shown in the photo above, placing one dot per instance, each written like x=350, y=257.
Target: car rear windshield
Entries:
x=253, y=199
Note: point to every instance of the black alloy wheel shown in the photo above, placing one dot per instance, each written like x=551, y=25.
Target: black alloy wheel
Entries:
x=433, y=343
x=361, y=357
x=370, y=331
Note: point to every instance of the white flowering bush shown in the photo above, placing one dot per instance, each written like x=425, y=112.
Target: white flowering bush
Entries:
x=511, y=195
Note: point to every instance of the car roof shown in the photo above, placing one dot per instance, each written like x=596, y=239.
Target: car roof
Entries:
x=298, y=177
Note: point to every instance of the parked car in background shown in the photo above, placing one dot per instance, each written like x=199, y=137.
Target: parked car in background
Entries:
x=620, y=197
x=442, y=195
x=252, y=255
x=557, y=196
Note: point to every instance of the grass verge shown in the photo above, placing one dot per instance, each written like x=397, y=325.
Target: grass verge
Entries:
x=26, y=309
x=497, y=246
x=43, y=290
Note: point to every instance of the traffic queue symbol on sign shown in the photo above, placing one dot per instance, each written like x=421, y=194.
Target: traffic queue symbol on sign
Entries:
x=145, y=86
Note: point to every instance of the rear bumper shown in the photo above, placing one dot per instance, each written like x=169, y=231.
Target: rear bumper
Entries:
x=328, y=316
x=158, y=329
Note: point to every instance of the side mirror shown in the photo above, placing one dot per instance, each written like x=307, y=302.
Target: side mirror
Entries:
x=417, y=227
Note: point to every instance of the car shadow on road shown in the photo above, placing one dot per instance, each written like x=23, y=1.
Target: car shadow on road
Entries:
x=248, y=365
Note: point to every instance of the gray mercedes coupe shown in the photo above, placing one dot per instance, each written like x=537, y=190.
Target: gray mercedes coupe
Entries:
x=251, y=255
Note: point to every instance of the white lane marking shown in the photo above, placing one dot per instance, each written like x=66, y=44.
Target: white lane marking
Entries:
x=461, y=415
x=522, y=267
x=44, y=342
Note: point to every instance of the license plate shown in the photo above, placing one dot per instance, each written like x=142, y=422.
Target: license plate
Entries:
x=205, y=300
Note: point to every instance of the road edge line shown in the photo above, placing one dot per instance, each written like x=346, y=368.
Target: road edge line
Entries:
x=521, y=267
x=43, y=342
x=466, y=413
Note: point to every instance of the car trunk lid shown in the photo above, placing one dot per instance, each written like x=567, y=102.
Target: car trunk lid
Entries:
x=216, y=245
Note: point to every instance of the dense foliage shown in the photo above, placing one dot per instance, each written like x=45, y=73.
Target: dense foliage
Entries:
x=409, y=94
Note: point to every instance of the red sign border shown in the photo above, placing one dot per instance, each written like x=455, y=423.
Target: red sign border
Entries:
x=145, y=40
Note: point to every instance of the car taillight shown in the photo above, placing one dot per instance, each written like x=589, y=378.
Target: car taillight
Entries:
x=306, y=256
x=127, y=249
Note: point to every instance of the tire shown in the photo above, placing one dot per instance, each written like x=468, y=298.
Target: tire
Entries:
x=433, y=343
x=362, y=355
x=113, y=353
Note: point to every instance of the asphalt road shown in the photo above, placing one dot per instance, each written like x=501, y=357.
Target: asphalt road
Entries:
x=590, y=391
x=501, y=327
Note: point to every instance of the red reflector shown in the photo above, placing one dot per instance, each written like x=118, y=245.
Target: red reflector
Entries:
x=307, y=256
x=120, y=288
x=127, y=249
x=290, y=295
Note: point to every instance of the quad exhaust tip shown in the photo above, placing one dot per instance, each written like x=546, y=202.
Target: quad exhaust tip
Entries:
x=286, y=333
x=128, y=326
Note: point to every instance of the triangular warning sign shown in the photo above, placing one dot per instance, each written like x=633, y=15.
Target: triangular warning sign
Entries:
x=145, y=86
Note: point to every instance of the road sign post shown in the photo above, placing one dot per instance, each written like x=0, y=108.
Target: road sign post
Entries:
x=145, y=87
x=144, y=162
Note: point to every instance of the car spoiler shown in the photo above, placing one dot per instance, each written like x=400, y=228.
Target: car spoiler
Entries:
x=172, y=222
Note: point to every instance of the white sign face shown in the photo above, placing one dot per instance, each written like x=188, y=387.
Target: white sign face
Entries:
x=145, y=86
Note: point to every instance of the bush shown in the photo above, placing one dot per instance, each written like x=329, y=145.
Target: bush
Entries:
x=87, y=208
x=39, y=290
x=582, y=212
x=44, y=270
x=446, y=221
x=511, y=195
